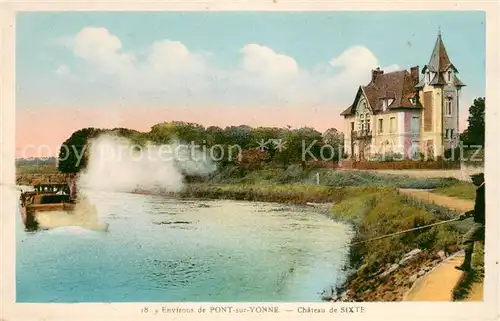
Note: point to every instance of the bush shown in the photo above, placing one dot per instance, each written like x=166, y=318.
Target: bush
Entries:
x=389, y=164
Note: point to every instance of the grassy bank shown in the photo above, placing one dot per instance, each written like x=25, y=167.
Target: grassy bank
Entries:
x=291, y=194
x=380, y=272
x=459, y=190
x=373, y=211
x=294, y=174
x=291, y=175
x=368, y=200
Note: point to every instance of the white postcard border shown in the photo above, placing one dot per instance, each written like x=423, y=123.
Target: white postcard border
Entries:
x=9, y=310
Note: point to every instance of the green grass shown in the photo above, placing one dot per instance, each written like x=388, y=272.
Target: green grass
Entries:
x=292, y=194
x=294, y=174
x=354, y=209
x=363, y=178
x=385, y=212
x=460, y=190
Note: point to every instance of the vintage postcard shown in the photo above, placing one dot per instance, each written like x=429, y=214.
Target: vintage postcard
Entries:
x=270, y=161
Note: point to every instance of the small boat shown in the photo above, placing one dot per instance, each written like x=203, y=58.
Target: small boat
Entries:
x=45, y=198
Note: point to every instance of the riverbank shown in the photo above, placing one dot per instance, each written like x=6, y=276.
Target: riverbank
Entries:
x=279, y=175
x=382, y=270
x=289, y=194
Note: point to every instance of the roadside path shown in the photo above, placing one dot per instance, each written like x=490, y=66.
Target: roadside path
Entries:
x=462, y=174
x=438, y=284
x=453, y=203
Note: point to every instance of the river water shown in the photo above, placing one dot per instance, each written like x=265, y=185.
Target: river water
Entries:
x=164, y=250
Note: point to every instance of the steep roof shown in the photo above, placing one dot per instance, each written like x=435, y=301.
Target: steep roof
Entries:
x=439, y=63
x=398, y=86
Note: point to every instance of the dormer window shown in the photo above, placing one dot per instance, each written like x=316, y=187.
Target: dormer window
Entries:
x=449, y=75
x=413, y=100
x=384, y=105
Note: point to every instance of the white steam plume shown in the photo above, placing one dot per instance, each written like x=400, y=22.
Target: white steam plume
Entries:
x=117, y=164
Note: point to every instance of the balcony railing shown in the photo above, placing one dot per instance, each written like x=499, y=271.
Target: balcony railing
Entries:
x=360, y=134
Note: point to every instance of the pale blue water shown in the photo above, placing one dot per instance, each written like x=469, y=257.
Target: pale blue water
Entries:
x=218, y=251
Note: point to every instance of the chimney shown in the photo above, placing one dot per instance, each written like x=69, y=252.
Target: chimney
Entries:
x=414, y=74
x=376, y=72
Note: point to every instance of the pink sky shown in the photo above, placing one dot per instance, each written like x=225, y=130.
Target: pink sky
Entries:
x=40, y=131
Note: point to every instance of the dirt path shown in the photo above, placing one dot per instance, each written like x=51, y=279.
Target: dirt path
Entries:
x=462, y=174
x=438, y=284
x=453, y=203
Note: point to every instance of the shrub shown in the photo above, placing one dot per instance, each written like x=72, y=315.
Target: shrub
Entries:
x=390, y=164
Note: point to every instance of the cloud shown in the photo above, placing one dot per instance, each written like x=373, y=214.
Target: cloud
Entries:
x=173, y=57
x=358, y=59
x=266, y=62
x=102, y=50
x=354, y=65
x=169, y=72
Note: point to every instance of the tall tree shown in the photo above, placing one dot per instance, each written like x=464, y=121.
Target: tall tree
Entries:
x=474, y=134
x=72, y=156
x=334, y=139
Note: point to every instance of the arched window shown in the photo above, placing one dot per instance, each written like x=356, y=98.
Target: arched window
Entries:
x=448, y=104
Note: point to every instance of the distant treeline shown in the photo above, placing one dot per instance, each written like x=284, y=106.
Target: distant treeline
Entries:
x=36, y=161
x=255, y=146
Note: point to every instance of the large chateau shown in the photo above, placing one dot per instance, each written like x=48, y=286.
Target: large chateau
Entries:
x=402, y=113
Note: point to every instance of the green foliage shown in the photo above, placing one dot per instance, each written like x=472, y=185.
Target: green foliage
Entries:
x=259, y=146
x=362, y=178
x=71, y=150
x=384, y=212
x=474, y=134
x=459, y=190
x=292, y=194
x=295, y=174
x=334, y=140
x=354, y=209
x=300, y=145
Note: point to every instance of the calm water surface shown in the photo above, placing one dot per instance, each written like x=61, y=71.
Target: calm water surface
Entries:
x=161, y=250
